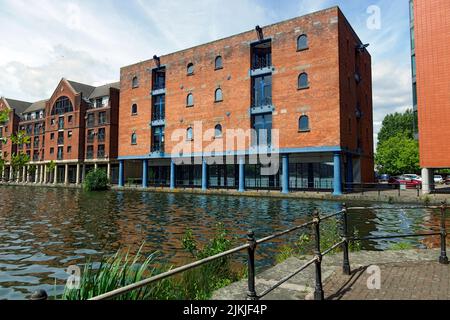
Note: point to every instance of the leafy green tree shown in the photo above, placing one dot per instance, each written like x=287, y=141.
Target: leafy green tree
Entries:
x=4, y=116
x=96, y=180
x=398, y=154
x=397, y=123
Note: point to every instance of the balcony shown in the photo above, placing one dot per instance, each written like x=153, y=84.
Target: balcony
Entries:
x=101, y=154
x=36, y=144
x=60, y=156
x=60, y=141
x=90, y=155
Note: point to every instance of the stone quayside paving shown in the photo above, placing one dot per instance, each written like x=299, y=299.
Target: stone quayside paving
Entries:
x=405, y=275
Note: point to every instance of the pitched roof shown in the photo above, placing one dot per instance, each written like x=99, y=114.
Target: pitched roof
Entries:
x=37, y=106
x=18, y=106
x=103, y=91
x=82, y=88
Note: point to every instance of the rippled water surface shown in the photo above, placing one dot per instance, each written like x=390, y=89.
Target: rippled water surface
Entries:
x=43, y=231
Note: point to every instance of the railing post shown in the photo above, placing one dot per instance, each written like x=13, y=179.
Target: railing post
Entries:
x=443, y=259
x=345, y=246
x=318, y=293
x=251, y=295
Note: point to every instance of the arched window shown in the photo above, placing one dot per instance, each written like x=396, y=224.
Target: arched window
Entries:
x=218, y=131
x=219, y=95
x=302, y=42
x=303, y=81
x=190, y=69
x=219, y=63
x=190, y=134
x=190, y=100
x=303, y=124
x=134, y=138
x=135, y=82
x=134, y=109
x=61, y=106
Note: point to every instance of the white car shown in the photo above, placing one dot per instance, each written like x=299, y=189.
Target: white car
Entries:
x=413, y=177
x=438, y=179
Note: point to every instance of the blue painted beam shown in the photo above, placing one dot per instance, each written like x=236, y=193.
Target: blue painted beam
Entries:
x=285, y=169
x=121, y=174
x=337, y=183
x=241, y=174
x=172, y=175
x=204, y=175
x=144, y=174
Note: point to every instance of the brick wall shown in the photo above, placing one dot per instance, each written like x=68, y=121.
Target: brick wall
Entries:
x=432, y=34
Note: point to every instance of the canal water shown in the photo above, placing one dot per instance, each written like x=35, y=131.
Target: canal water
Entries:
x=44, y=231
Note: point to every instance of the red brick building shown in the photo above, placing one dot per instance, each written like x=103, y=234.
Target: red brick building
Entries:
x=303, y=85
x=76, y=128
x=430, y=21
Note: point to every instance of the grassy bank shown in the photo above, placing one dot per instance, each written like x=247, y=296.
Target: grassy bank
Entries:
x=123, y=269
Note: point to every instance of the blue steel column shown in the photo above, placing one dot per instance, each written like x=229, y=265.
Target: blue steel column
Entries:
x=241, y=174
x=285, y=169
x=144, y=174
x=172, y=175
x=121, y=173
x=337, y=174
x=204, y=175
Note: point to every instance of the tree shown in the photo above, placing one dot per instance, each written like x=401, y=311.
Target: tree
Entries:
x=397, y=155
x=96, y=180
x=397, y=123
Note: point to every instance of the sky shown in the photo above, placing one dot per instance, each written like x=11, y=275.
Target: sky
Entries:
x=90, y=40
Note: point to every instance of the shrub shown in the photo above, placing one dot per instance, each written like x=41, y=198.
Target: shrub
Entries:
x=96, y=180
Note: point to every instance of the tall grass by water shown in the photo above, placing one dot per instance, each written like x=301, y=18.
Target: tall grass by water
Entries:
x=124, y=269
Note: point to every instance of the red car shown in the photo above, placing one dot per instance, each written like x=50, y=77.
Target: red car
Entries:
x=402, y=180
x=447, y=180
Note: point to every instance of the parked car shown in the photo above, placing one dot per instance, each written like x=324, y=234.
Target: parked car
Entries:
x=406, y=180
x=384, y=178
x=438, y=179
x=447, y=180
x=413, y=177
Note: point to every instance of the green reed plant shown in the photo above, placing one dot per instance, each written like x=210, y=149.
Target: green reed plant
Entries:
x=197, y=284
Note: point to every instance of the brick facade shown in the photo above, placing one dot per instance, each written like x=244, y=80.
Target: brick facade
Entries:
x=432, y=51
x=339, y=105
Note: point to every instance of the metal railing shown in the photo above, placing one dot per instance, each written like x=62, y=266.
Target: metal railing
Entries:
x=319, y=254
x=252, y=245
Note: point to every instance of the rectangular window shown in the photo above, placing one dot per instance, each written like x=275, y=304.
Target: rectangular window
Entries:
x=158, y=139
x=262, y=91
x=159, y=107
x=101, y=151
x=262, y=55
x=90, y=136
x=90, y=152
x=101, y=134
x=52, y=136
x=101, y=118
x=60, y=138
x=159, y=79
x=90, y=120
x=262, y=124
x=413, y=65
x=69, y=134
x=69, y=149
x=60, y=153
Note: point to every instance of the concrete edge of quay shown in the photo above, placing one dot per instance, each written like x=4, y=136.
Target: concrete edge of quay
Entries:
x=390, y=197
x=301, y=286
